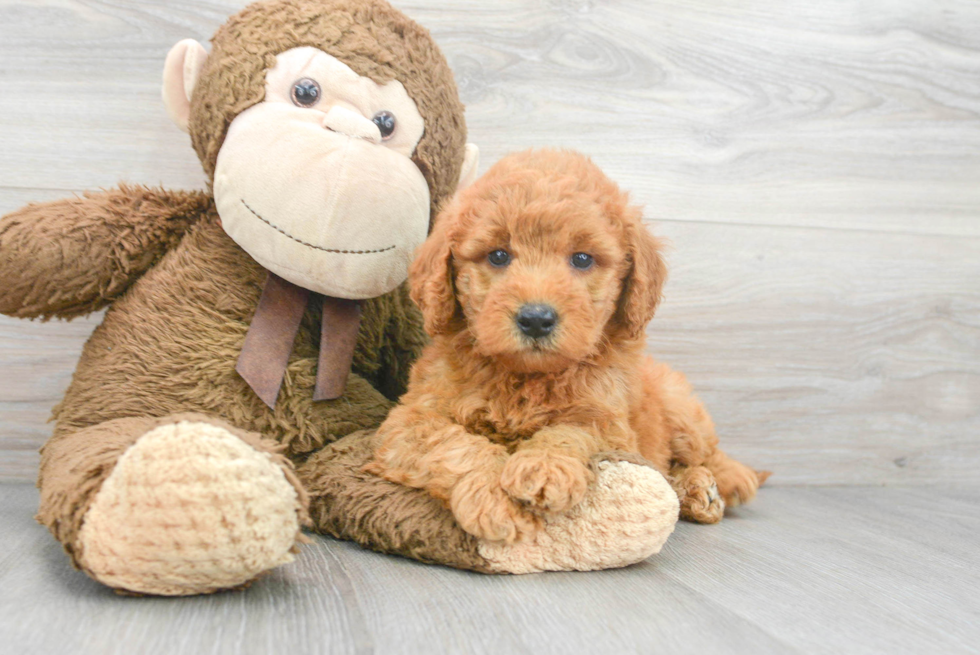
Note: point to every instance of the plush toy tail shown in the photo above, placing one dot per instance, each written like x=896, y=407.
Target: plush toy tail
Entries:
x=71, y=257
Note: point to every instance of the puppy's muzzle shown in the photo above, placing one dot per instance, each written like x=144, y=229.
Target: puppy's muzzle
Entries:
x=536, y=321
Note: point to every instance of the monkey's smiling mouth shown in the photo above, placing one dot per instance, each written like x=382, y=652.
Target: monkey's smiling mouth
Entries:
x=311, y=245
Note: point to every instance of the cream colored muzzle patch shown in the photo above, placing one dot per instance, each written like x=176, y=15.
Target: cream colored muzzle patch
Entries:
x=336, y=214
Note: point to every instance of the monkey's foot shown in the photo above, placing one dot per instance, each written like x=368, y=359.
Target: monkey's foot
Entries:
x=188, y=509
x=625, y=517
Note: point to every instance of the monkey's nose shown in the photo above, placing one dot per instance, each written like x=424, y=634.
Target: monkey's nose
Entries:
x=345, y=121
x=536, y=321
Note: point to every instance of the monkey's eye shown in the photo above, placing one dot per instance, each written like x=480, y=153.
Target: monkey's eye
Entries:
x=499, y=258
x=582, y=261
x=306, y=92
x=385, y=121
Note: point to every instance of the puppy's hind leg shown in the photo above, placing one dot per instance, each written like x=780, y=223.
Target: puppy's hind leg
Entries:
x=701, y=470
x=737, y=483
x=694, y=444
x=698, y=494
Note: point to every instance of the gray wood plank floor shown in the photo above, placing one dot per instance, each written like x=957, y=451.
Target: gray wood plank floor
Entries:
x=815, y=570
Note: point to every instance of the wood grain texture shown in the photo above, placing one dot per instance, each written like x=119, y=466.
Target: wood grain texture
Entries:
x=814, y=164
x=831, y=357
x=36, y=363
x=846, y=114
x=825, y=570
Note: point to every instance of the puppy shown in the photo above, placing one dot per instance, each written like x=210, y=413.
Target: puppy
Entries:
x=536, y=287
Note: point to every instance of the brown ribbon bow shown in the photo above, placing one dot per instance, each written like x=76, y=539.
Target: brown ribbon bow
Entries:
x=270, y=338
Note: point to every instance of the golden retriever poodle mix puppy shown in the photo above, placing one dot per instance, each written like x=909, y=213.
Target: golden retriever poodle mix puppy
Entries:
x=537, y=285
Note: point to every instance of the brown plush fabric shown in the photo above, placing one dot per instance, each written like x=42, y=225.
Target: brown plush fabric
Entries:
x=71, y=257
x=348, y=503
x=74, y=466
x=370, y=36
x=170, y=345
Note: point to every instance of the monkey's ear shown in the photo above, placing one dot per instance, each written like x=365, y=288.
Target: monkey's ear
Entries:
x=471, y=162
x=180, y=73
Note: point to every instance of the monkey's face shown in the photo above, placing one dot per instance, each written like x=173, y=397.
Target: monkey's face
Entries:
x=330, y=131
x=316, y=182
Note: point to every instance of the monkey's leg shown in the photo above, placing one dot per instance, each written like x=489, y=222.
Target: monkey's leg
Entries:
x=626, y=516
x=175, y=506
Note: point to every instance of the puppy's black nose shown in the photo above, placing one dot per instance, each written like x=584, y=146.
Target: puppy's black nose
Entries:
x=536, y=321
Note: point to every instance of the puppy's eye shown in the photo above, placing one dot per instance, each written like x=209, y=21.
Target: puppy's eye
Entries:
x=385, y=121
x=306, y=92
x=582, y=261
x=499, y=258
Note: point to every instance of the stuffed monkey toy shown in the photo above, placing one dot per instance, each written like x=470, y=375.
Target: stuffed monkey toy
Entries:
x=257, y=332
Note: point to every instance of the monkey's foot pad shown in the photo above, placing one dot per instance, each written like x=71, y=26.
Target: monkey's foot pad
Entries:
x=626, y=517
x=190, y=508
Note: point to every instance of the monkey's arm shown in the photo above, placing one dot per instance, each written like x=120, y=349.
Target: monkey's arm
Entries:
x=71, y=257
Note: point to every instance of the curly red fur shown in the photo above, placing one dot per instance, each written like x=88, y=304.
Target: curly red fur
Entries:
x=501, y=426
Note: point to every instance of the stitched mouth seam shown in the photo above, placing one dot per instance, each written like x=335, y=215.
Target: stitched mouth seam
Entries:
x=310, y=245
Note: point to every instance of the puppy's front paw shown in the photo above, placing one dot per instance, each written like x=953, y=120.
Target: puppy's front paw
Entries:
x=484, y=509
x=545, y=480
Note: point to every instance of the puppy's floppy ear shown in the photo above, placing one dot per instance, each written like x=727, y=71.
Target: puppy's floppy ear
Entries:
x=644, y=283
x=431, y=277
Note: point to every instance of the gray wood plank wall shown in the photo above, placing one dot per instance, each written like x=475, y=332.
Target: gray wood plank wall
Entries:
x=815, y=165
